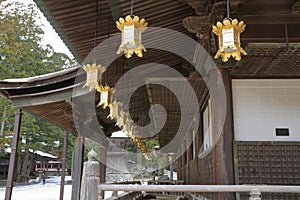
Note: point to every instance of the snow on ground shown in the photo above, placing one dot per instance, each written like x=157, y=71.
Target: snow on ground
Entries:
x=38, y=191
x=49, y=191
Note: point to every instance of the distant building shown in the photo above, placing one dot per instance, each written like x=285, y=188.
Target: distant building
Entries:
x=4, y=163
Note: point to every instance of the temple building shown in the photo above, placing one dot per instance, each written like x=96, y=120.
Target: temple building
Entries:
x=221, y=99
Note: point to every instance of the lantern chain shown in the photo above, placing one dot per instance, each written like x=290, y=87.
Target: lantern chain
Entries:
x=107, y=48
x=131, y=8
x=96, y=31
x=228, y=8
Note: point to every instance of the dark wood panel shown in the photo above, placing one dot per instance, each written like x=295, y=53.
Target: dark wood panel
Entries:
x=270, y=163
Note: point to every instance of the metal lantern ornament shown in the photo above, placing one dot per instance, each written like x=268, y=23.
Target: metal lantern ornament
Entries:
x=132, y=29
x=93, y=72
x=114, y=110
x=228, y=33
x=106, y=93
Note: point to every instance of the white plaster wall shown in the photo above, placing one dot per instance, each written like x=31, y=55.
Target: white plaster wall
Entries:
x=261, y=105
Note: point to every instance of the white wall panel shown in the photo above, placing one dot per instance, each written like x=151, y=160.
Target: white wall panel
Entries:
x=261, y=105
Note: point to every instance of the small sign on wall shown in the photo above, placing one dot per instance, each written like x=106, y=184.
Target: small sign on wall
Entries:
x=282, y=131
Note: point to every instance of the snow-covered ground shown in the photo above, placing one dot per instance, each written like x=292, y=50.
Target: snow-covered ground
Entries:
x=49, y=191
x=38, y=191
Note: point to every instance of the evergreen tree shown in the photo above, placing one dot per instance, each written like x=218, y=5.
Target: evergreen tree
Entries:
x=23, y=55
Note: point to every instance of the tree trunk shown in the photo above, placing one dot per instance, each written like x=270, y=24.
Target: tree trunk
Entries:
x=24, y=170
x=31, y=165
x=3, y=122
x=19, y=167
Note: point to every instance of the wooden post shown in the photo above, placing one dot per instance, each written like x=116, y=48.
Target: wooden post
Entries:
x=198, y=134
x=228, y=132
x=102, y=168
x=171, y=166
x=77, y=167
x=63, y=168
x=223, y=170
x=188, y=158
x=255, y=195
x=179, y=161
x=183, y=161
x=103, y=157
x=13, y=154
x=198, y=141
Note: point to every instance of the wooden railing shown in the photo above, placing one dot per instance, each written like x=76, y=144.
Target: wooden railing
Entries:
x=166, y=182
x=254, y=191
x=91, y=190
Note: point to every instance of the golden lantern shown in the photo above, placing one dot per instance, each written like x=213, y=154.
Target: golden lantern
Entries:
x=148, y=156
x=106, y=93
x=132, y=29
x=128, y=124
x=131, y=131
x=228, y=33
x=114, y=110
x=120, y=119
x=92, y=73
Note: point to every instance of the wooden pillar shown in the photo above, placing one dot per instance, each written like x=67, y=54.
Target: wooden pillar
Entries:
x=198, y=134
x=13, y=155
x=228, y=130
x=102, y=166
x=103, y=158
x=77, y=166
x=179, y=163
x=189, y=151
x=223, y=170
x=183, y=151
x=198, y=141
x=189, y=148
x=63, y=168
x=171, y=161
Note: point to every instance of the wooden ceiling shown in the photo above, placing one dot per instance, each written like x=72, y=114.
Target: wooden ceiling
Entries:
x=271, y=40
x=75, y=21
x=267, y=22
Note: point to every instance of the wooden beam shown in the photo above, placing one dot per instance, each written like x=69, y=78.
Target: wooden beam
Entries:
x=270, y=19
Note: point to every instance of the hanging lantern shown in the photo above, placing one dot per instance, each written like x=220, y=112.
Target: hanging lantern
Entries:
x=131, y=131
x=120, y=119
x=148, y=156
x=127, y=124
x=92, y=73
x=105, y=95
x=114, y=110
x=228, y=33
x=132, y=29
